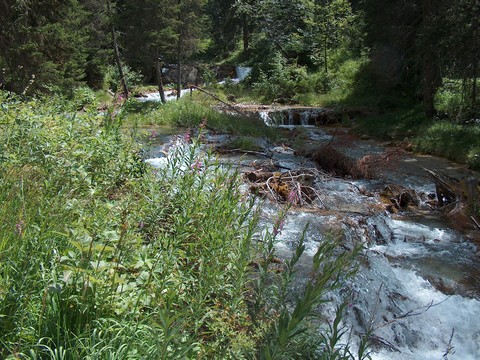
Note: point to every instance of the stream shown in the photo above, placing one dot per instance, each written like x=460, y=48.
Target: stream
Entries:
x=418, y=287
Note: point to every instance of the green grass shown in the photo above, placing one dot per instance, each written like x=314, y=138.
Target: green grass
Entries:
x=457, y=142
x=191, y=112
x=400, y=124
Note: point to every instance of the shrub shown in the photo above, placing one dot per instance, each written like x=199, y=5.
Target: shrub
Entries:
x=449, y=99
x=112, y=78
x=280, y=81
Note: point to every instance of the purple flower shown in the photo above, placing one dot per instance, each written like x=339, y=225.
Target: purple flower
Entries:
x=278, y=226
x=187, y=137
x=19, y=227
x=197, y=165
x=293, y=197
x=153, y=135
x=141, y=225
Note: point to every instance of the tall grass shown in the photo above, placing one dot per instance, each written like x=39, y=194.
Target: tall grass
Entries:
x=454, y=141
x=193, y=111
x=102, y=257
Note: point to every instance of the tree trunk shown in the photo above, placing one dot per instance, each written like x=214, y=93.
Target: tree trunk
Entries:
x=431, y=80
x=117, y=53
x=474, y=85
x=325, y=54
x=246, y=34
x=430, y=62
x=160, y=80
x=179, y=73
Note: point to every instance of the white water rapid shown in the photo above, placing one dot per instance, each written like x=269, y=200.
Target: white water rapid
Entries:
x=418, y=288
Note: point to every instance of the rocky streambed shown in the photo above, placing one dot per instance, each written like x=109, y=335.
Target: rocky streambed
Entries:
x=417, y=292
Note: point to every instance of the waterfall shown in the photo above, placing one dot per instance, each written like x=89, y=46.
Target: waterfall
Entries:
x=243, y=72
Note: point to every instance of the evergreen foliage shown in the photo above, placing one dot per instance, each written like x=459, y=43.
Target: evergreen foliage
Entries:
x=413, y=46
x=43, y=45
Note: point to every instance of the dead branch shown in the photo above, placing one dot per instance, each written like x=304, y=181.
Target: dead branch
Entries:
x=475, y=222
x=386, y=157
x=414, y=312
x=290, y=186
x=218, y=99
x=450, y=347
x=384, y=342
x=248, y=152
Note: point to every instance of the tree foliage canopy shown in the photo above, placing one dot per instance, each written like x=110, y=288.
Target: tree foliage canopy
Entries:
x=417, y=47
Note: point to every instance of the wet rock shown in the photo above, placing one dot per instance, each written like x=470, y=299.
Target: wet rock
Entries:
x=396, y=197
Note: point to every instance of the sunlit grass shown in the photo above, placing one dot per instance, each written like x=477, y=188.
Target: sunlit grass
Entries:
x=457, y=142
x=193, y=111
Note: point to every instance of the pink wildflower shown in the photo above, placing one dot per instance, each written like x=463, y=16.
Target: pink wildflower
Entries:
x=187, y=137
x=278, y=226
x=153, y=135
x=197, y=165
x=19, y=227
x=293, y=197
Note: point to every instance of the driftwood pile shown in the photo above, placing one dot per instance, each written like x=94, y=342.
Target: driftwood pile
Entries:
x=397, y=198
x=458, y=198
x=292, y=187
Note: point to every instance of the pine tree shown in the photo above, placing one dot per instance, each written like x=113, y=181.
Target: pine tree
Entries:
x=160, y=31
x=43, y=44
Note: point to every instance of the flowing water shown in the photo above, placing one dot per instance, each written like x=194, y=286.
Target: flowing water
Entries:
x=169, y=95
x=418, y=288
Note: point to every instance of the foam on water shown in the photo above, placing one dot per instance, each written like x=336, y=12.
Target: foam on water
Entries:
x=159, y=163
x=426, y=334
x=409, y=230
x=169, y=96
x=391, y=294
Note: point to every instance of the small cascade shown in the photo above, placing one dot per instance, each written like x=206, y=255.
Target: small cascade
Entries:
x=300, y=117
x=243, y=72
x=169, y=95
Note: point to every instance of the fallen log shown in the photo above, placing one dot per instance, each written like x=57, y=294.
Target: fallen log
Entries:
x=457, y=197
x=242, y=151
x=444, y=188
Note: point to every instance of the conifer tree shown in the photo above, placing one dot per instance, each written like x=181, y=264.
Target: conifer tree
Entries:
x=43, y=44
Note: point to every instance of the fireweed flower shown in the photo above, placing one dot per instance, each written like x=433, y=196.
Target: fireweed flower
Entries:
x=19, y=227
x=187, y=137
x=153, y=135
x=293, y=197
x=278, y=226
x=197, y=165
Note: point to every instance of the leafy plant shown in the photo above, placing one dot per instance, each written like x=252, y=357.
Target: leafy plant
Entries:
x=289, y=335
x=281, y=80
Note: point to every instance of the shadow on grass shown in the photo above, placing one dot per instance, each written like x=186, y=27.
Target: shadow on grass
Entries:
x=401, y=119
